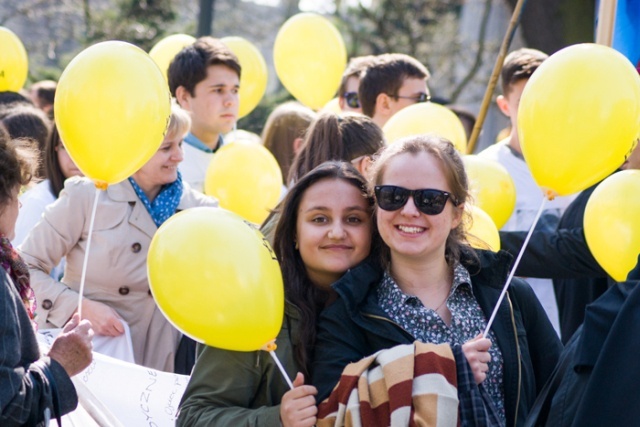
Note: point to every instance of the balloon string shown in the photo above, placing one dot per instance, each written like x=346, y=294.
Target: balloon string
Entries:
x=282, y=371
x=513, y=269
x=86, y=253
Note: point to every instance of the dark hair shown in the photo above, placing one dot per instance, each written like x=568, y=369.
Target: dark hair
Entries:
x=286, y=123
x=455, y=174
x=17, y=164
x=52, y=169
x=299, y=290
x=29, y=123
x=355, y=68
x=189, y=66
x=520, y=65
x=386, y=75
x=45, y=91
x=10, y=99
x=334, y=137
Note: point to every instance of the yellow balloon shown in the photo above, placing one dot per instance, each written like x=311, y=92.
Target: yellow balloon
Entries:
x=611, y=224
x=14, y=63
x=492, y=188
x=216, y=278
x=482, y=232
x=577, y=120
x=246, y=179
x=310, y=57
x=426, y=117
x=333, y=106
x=166, y=49
x=253, y=81
x=112, y=107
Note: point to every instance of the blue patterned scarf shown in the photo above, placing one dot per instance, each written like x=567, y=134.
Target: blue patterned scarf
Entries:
x=165, y=203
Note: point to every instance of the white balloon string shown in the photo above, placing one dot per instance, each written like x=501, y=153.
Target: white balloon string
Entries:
x=86, y=253
x=282, y=371
x=513, y=269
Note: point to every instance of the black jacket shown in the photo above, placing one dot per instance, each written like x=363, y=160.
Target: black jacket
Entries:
x=355, y=326
x=596, y=382
x=564, y=256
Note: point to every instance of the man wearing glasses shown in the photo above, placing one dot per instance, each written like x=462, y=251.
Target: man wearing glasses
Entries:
x=392, y=82
x=348, y=90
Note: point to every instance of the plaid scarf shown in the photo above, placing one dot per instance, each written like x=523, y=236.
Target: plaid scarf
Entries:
x=17, y=269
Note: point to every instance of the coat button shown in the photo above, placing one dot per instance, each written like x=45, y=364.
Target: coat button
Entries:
x=124, y=290
x=136, y=247
x=47, y=304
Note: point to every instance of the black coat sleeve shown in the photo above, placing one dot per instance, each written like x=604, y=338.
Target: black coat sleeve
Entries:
x=30, y=385
x=559, y=254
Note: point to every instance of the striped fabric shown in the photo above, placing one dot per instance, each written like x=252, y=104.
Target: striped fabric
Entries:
x=407, y=385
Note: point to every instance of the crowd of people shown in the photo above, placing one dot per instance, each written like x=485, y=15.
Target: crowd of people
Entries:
x=370, y=239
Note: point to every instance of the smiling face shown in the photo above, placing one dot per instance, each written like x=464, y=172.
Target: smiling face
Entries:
x=333, y=230
x=162, y=168
x=409, y=233
x=214, y=104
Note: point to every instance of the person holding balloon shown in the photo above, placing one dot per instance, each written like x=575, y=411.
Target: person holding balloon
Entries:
x=204, y=78
x=324, y=230
x=429, y=285
x=128, y=215
x=35, y=387
x=517, y=69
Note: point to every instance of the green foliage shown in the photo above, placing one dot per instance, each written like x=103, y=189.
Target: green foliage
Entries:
x=141, y=22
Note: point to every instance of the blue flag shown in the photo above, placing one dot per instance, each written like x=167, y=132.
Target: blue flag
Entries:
x=626, y=34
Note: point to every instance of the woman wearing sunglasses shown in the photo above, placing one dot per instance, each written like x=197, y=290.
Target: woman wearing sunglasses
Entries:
x=430, y=285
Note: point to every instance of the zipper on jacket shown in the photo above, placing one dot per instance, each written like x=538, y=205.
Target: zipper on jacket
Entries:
x=374, y=316
x=515, y=333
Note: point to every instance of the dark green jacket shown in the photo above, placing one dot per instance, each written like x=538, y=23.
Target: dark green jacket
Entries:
x=355, y=326
x=232, y=388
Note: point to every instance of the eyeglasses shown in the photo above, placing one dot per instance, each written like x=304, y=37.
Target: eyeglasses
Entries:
x=422, y=97
x=352, y=99
x=427, y=200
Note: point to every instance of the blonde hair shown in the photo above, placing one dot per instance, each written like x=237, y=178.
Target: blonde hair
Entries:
x=179, y=121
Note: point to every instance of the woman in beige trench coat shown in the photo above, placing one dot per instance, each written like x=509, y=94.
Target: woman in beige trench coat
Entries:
x=116, y=285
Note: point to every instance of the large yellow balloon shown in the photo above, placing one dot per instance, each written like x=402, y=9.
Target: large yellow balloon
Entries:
x=253, y=81
x=310, y=57
x=612, y=225
x=14, y=63
x=426, y=117
x=166, y=49
x=215, y=277
x=481, y=232
x=579, y=116
x=246, y=179
x=492, y=188
x=112, y=107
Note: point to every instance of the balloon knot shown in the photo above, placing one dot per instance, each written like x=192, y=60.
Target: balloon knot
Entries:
x=101, y=185
x=550, y=194
x=270, y=346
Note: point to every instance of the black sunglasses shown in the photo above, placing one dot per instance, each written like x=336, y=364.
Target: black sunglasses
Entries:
x=352, y=99
x=422, y=97
x=427, y=200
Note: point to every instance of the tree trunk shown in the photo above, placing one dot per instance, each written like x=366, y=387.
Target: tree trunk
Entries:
x=205, y=18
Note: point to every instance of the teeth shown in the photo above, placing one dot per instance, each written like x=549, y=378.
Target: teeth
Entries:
x=411, y=230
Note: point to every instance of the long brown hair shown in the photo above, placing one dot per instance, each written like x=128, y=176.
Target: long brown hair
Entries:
x=334, y=137
x=299, y=290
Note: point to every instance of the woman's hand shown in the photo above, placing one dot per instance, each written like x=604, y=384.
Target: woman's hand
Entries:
x=104, y=319
x=72, y=348
x=477, y=353
x=298, y=406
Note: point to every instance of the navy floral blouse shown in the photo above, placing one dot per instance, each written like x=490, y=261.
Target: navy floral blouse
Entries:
x=467, y=321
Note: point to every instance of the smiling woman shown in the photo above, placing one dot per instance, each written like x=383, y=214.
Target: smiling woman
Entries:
x=117, y=289
x=324, y=230
x=431, y=286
